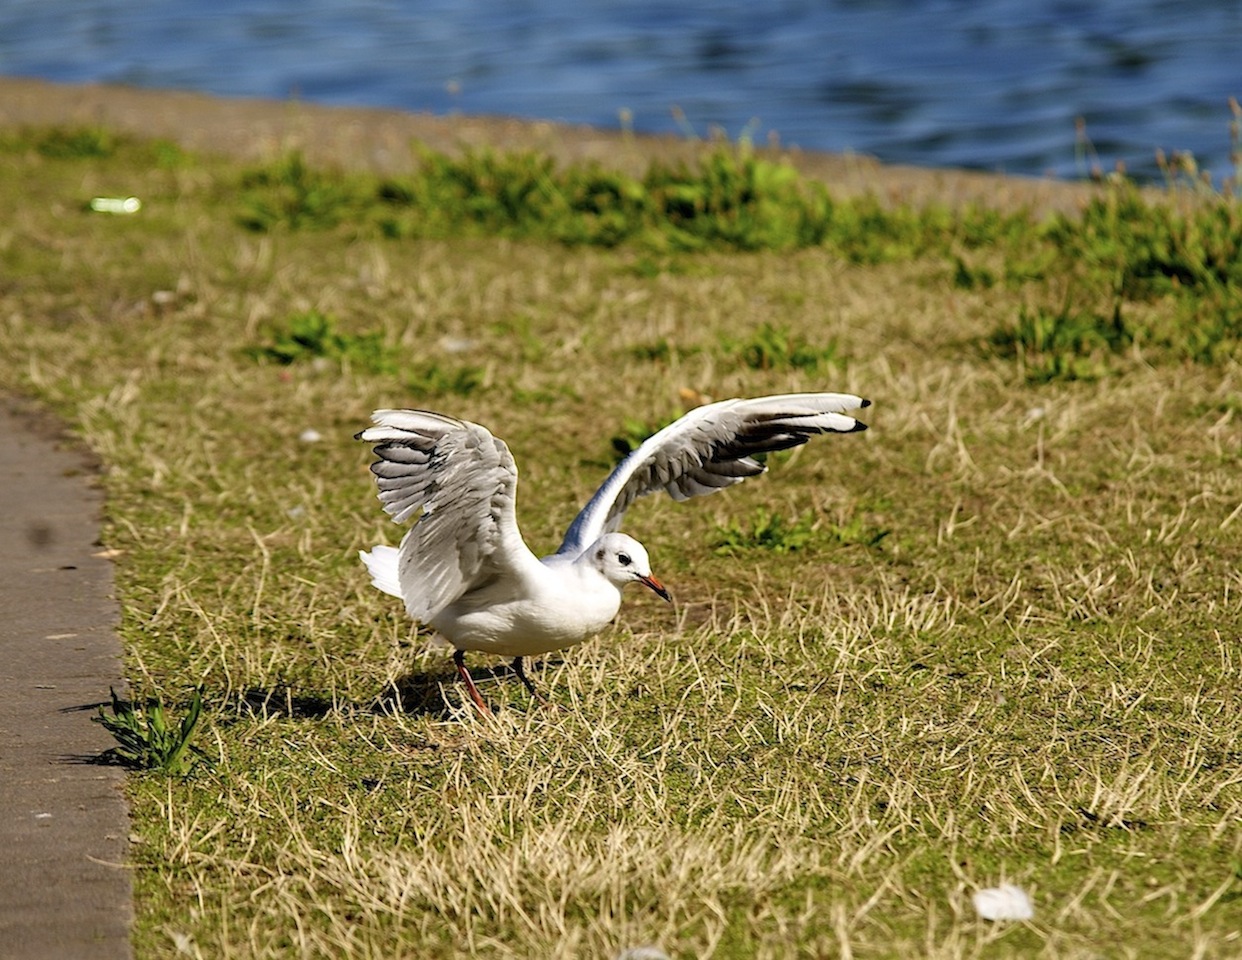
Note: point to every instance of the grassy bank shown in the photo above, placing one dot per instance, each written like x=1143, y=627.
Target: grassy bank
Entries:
x=996, y=638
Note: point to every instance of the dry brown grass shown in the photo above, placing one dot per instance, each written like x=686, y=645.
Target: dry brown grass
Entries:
x=1034, y=678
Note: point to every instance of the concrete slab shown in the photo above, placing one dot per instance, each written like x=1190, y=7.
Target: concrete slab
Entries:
x=65, y=891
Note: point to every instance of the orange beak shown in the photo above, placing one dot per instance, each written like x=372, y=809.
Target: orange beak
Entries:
x=656, y=586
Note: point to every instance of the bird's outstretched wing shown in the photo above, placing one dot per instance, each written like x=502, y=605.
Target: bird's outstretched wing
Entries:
x=710, y=448
x=459, y=483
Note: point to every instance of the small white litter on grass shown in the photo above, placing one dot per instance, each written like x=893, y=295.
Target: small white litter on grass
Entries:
x=457, y=344
x=1005, y=902
x=310, y=436
x=116, y=204
x=642, y=953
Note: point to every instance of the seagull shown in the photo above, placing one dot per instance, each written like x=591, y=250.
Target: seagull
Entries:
x=464, y=569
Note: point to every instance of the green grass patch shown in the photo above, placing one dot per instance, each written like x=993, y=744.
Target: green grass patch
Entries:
x=1148, y=250
x=306, y=337
x=775, y=348
x=732, y=199
x=1063, y=345
x=768, y=531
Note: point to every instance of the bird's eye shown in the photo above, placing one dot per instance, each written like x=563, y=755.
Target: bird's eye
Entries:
x=624, y=559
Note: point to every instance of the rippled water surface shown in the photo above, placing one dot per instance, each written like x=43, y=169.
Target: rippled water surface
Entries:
x=991, y=84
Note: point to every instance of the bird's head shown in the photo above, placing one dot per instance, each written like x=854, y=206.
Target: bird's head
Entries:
x=622, y=559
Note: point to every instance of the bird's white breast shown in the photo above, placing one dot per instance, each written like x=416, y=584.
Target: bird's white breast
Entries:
x=559, y=605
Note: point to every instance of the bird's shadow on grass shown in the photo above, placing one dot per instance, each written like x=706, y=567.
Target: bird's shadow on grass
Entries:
x=440, y=694
x=436, y=694
x=281, y=701
x=416, y=695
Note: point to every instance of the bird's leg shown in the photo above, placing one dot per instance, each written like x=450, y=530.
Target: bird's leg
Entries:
x=459, y=658
x=521, y=674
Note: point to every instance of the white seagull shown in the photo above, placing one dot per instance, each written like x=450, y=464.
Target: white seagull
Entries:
x=463, y=567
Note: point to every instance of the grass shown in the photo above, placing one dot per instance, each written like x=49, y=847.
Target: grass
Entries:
x=1009, y=653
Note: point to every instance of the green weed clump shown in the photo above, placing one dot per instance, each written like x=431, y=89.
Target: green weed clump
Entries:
x=295, y=196
x=444, y=380
x=1144, y=250
x=735, y=199
x=663, y=350
x=1207, y=329
x=1062, y=345
x=855, y=532
x=766, y=530
x=77, y=143
x=1189, y=258
x=776, y=348
x=148, y=740
x=90, y=144
x=313, y=335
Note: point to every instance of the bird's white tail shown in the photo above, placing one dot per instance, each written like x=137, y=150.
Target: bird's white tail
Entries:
x=381, y=564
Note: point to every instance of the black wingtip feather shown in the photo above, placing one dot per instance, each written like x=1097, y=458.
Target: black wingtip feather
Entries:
x=865, y=403
x=858, y=427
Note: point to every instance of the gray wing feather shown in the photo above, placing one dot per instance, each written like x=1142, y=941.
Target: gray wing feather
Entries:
x=707, y=450
x=459, y=484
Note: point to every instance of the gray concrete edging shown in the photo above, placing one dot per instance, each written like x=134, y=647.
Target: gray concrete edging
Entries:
x=65, y=889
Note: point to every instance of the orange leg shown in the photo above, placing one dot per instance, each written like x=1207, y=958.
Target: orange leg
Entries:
x=459, y=658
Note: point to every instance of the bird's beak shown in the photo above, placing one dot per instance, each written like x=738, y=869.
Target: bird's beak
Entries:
x=656, y=586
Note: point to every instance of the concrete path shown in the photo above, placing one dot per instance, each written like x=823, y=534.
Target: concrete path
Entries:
x=64, y=827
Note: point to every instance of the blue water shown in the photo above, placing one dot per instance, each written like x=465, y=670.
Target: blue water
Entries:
x=987, y=84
